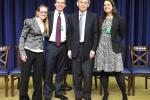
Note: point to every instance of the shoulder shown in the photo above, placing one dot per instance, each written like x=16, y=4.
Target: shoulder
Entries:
x=74, y=14
x=51, y=12
x=121, y=19
x=92, y=14
x=28, y=21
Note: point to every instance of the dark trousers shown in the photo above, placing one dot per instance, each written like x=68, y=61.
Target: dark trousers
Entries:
x=35, y=61
x=55, y=63
x=82, y=72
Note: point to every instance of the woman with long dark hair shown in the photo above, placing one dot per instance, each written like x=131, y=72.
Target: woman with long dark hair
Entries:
x=108, y=56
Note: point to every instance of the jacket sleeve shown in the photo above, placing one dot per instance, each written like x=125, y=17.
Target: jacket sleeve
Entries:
x=96, y=32
x=23, y=37
x=122, y=28
x=69, y=32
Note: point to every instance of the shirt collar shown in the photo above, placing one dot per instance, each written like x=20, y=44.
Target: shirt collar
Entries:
x=82, y=13
x=57, y=12
x=38, y=20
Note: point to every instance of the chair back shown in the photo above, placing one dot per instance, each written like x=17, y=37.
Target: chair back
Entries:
x=4, y=51
x=139, y=55
x=17, y=56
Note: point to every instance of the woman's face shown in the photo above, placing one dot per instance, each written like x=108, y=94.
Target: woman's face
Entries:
x=42, y=13
x=108, y=7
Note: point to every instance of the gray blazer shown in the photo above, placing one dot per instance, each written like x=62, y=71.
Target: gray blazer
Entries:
x=31, y=36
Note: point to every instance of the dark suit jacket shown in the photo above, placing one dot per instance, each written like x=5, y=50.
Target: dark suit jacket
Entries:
x=91, y=34
x=117, y=33
x=51, y=20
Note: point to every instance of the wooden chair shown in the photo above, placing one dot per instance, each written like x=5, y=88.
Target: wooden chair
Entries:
x=4, y=72
x=139, y=63
x=15, y=73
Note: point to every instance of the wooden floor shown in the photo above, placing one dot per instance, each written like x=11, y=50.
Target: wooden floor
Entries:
x=114, y=92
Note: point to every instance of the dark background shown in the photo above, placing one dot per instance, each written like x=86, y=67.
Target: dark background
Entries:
x=135, y=12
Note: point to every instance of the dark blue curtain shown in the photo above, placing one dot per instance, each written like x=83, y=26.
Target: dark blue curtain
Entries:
x=135, y=12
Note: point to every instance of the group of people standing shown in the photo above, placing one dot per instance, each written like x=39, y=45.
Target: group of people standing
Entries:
x=83, y=37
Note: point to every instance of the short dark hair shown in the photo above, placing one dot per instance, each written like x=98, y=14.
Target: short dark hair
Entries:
x=88, y=1
x=64, y=0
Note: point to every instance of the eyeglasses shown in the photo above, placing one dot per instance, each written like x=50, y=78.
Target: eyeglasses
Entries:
x=43, y=12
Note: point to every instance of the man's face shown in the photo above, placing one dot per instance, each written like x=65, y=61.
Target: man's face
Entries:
x=60, y=5
x=83, y=5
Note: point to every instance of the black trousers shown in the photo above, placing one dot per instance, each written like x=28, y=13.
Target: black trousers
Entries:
x=35, y=62
x=55, y=63
x=82, y=72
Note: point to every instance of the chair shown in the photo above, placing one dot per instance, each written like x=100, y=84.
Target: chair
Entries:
x=96, y=75
x=139, y=63
x=15, y=73
x=4, y=72
x=128, y=77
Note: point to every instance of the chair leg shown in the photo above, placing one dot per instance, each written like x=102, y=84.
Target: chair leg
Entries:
x=146, y=82
x=12, y=85
x=18, y=86
x=101, y=87
x=133, y=85
x=6, y=85
x=95, y=82
x=129, y=85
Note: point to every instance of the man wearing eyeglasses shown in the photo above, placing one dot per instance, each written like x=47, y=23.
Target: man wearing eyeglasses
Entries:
x=82, y=44
x=56, y=52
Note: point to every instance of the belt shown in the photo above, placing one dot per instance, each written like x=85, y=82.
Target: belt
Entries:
x=81, y=43
x=55, y=42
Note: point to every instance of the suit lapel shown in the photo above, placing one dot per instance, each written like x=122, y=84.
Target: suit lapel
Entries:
x=76, y=20
x=113, y=24
x=51, y=20
x=36, y=25
x=86, y=24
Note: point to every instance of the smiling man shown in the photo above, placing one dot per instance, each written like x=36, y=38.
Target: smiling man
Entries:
x=82, y=44
x=56, y=51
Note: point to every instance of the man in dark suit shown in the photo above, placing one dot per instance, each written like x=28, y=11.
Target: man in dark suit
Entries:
x=82, y=43
x=56, y=52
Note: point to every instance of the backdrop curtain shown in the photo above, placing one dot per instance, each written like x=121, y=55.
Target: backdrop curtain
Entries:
x=135, y=12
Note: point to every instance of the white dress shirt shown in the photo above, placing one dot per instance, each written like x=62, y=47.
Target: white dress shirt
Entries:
x=83, y=28
x=63, y=27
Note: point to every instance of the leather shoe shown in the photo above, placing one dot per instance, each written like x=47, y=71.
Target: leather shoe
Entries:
x=105, y=97
x=62, y=97
x=78, y=99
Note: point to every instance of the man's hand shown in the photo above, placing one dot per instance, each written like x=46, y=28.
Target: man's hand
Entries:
x=70, y=54
x=92, y=54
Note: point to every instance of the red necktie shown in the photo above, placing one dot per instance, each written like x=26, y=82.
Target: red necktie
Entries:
x=58, y=31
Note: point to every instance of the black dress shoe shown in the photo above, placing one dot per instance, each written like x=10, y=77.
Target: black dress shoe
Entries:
x=125, y=98
x=78, y=99
x=62, y=97
x=105, y=97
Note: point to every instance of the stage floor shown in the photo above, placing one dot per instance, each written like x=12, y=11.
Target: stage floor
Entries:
x=114, y=92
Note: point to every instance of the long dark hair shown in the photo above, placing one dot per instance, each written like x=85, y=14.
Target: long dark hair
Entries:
x=114, y=10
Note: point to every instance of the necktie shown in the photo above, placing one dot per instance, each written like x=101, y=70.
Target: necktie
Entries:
x=81, y=25
x=58, y=31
